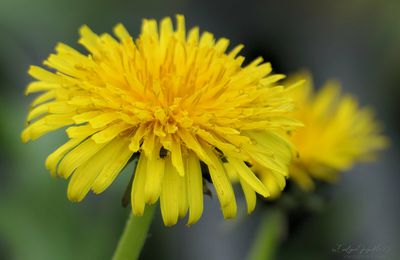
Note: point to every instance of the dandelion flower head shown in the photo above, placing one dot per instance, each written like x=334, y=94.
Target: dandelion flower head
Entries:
x=338, y=133
x=187, y=108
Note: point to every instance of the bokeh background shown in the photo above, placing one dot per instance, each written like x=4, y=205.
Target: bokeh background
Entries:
x=356, y=42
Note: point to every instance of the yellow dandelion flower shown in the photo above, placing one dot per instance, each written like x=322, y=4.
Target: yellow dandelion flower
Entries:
x=178, y=100
x=337, y=133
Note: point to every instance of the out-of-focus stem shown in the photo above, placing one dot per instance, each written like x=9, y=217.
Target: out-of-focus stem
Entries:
x=269, y=236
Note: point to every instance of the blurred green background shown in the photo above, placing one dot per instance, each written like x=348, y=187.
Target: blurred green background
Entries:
x=354, y=41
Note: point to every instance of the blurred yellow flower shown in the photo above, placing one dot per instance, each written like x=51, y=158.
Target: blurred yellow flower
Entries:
x=178, y=100
x=337, y=133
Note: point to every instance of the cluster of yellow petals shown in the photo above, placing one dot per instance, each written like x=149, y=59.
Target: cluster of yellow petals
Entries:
x=338, y=133
x=178, y=100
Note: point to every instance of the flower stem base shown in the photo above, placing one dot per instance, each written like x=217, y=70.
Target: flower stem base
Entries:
x=134, y=236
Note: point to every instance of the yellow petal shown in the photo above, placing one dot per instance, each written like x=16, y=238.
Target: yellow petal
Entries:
x=80, y=131
x=137, y=137
x=85, y=117
x=116, y=162
x=270, y=163
x=192, y=143
x=182, y=197
x=176, y=156
x=41, y=126
x=43, y=75
x=231, y=172
x=60, y=107
x=278, y=145
x=166, y=31
x=193, y=37
x=248, y=176
x=221, y=45
x=220, y=180
x=249, y=195
x=181, y=30
x=85, y=175
x=121, y=32
x=49, y=95
x=273, y=181
x=38, y=111
x=103, y=119
x=110, y=132
x=194, y=182
x=137, y=198
x=154, y=176
x=229, y=211
x=169, y=195
x=90, y=40
x=53, y=159
x=77, y=157
x=148, y=145
x=38, y=86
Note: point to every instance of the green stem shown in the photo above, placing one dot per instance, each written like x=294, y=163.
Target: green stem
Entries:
x=268, y=238
x=134, y=236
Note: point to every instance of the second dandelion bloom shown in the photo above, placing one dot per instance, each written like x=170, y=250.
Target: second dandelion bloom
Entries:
x=177, y=100
x=338, y=133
